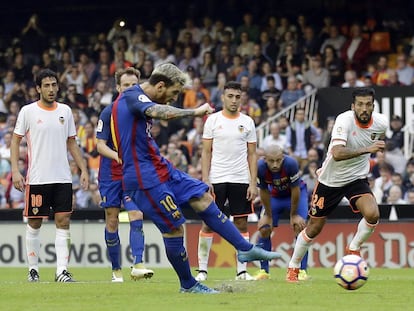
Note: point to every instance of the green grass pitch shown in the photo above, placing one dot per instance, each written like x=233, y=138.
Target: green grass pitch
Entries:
x=387, y=289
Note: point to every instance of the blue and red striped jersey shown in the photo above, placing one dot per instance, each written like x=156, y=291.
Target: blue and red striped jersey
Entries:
x=279, y=183
x=142, y=164
x=109, y=170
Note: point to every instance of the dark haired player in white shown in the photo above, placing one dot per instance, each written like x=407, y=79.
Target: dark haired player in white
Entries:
x=50, y=133
x=356, y=134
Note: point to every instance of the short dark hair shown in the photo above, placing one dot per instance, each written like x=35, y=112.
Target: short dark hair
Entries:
x=363, y=91
x=233, y=85
x=45, y=73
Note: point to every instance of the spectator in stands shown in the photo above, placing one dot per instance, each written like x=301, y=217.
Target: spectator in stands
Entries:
x=310, y=178
x=270, y=92
x=164, y=57
x=33, y=40
x=236, y=67
x=225, y=59
x=206, y=45
x=88, y=65
x=333, y=64
x=301, y=135
x=292, y=93
x=74, y=75
x=268, y=47
x=309, y=43
x=288, y=64
x=266, y=71
x=119, y=29
x=384, y=181
x=395, y=133
x=197, y=92
x=335, y=39
x=405, y=72
x=162, y=35
x=351, y=79
x=22, y=72
x=317, y=75
x=284, y=26
x=245, y=48
x=106, y=79
x=75, y=99
x=255, y=80
x=217, y=91
x=409, y=197
x=274, y=137
x=119, y=62
x=248, y=27
x=355, y=50
x=395, y=195
x=380, y=76
x=189, y=27
x=208, y=70
x=189, y=60
x=376, y=190
x=146, y=69
x=393, y=79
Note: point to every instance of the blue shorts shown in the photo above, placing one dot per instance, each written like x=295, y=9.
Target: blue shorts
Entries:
x=112, y=196
x=111, y=193
x=163, y=203
x=280, y=205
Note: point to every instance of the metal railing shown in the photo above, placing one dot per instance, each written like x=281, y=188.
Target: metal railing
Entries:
x=307, y=102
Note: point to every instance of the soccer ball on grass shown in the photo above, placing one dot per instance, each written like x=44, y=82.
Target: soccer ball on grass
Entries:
x=351, y=272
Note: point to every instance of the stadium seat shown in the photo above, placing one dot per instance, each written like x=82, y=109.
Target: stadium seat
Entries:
x=380, y=42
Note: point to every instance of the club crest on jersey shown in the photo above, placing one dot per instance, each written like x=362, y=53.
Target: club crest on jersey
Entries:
x=339, y=130
x=241, y=128
x=144, y=98
x=62, y=120
x=375, y=136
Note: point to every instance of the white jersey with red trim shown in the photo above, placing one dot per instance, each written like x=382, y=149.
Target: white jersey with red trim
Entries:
x=47, y=131
x=229, y=155
x=348, y=132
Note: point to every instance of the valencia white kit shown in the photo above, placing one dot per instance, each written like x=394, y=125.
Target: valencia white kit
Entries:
x=229, y=155
x=348, y=132
x=47, y=131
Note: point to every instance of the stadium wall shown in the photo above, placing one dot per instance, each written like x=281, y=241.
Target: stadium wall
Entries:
x=391, y=246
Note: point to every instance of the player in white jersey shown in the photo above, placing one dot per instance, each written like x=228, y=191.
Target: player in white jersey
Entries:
x=50, y=132
x=356, y=134
x=229, y=167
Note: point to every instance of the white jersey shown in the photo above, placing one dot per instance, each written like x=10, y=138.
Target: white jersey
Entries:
x=229, y=155
x=348, y=132
x=47, y=132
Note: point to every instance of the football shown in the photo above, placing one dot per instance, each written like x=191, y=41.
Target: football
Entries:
x=351, y=272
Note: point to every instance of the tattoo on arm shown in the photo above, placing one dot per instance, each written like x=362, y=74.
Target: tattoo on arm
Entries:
x=165, y=112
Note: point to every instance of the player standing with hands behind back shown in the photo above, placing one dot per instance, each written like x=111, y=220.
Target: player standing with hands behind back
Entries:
x=50, y=132
x=356, y=134
x=229, y=167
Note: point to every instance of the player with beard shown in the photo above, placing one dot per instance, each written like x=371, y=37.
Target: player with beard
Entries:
x=356, y=134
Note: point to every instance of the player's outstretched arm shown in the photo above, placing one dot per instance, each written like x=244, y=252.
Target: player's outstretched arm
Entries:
x=341, y=152
x=165, y=112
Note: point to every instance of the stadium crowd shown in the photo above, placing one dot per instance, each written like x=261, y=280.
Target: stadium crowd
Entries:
x=276, y=61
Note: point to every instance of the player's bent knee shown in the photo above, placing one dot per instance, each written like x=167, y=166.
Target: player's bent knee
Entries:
x=135, y=215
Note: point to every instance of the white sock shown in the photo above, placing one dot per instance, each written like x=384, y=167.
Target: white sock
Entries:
x=62, y=245
x=205, y=240
x=32, y=247
x=364, y=231
x=242, y=266
x=301, y=247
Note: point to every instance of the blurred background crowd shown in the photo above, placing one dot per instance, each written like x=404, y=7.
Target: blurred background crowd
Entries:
x=277, y=50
